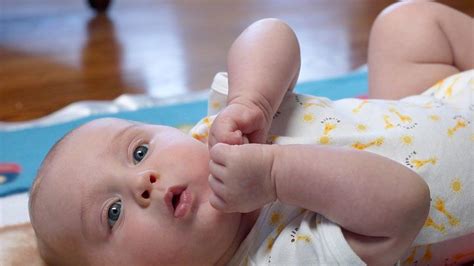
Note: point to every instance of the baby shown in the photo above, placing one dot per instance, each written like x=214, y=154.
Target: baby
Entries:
x=116, y=192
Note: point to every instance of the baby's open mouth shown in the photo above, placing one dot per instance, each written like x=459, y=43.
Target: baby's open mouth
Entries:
x=179, y=200
x=175, y=200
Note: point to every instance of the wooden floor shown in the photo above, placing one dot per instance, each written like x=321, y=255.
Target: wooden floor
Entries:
x=55, y=52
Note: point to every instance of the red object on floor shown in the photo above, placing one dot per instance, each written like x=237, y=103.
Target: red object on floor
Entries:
x=10, y=168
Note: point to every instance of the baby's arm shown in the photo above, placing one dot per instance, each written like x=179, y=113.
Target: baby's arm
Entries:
x=414, y=44
x=380, y=204
x=263, y=63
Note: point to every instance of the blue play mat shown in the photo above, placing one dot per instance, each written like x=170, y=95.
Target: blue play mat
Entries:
x=22, y=150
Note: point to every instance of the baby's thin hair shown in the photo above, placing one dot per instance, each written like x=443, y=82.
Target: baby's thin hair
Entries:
x=47, y=253
x=42, y=169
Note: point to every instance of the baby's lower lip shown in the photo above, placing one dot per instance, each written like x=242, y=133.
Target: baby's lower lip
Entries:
x=185, y=203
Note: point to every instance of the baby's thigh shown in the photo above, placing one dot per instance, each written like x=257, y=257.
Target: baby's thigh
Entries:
x=415, y=44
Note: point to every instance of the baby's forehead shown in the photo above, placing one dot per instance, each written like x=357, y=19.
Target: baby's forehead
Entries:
x=85, y=140
x=102, y=128
x=105, y=123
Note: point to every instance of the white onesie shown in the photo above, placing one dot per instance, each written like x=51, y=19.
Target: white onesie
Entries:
x=431, y=133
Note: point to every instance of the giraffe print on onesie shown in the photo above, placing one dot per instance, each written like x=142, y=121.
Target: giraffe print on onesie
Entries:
x=432, y=134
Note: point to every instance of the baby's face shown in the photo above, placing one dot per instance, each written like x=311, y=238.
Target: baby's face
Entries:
x=136, y=194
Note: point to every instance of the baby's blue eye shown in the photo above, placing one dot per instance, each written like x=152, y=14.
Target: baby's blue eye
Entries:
x=114, y=213
x=139, y=153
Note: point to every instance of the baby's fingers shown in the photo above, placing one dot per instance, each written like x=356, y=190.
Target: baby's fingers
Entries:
x=219, y=154
x=232, y=138
x=217, y=203
x=218, y=189
x=225, y=130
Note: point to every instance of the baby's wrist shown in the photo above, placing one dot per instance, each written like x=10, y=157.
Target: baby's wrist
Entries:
x=271, y=157
x=256, y=104
x=279, y=171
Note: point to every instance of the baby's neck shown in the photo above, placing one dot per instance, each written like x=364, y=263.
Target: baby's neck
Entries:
x=247, y=222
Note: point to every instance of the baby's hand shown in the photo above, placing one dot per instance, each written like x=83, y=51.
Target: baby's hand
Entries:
x=241, y=179
x=239, y=123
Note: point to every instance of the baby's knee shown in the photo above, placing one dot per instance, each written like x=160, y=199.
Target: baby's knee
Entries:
x=404, y=14
x=273, y=24
x=417, y=25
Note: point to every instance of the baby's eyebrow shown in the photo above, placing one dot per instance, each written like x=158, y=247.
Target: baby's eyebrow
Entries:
x=119, y=135
x=124, y=131
x=90, y=217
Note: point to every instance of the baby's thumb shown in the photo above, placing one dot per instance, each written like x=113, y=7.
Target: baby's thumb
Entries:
x=231, y=138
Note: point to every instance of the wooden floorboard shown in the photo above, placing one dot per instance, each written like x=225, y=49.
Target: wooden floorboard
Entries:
x=55, y=52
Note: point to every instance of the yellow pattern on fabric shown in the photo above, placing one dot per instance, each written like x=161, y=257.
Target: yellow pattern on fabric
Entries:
x=324, y=140
x=407, y=139
x=388, y=123
x=320, y=103
x=216, y=105
x=207, y=121
x=410, y=259
x=308, y=117
x=307, y=105
x=428, y=254
x=304, y=238
x=280, y=228
x=440, y=206
x=428, y=105
x=420, y=163
x=272, y=139
x=362, y=146
x=270, y=242
x=361, y=127
x=200, y=137
x=357, y=109
x=449, y=90
x=460, y=123
x=438, y=85
x=456, y=185
x=434, y=117
x=275, y=218
x=431, y=223
x=328, y=127
x=403, y=118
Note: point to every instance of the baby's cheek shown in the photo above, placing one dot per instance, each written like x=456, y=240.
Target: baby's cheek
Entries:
x=148, y=244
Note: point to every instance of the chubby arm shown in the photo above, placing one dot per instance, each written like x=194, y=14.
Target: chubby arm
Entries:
x=262, y=64
x=380, y=204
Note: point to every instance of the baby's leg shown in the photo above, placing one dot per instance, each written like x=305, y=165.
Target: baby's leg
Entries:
x=415, y=44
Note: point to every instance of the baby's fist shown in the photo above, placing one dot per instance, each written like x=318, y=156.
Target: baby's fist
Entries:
x=241, y=179
x=239, y=123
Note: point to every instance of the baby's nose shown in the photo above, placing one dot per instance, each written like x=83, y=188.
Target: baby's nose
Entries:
x=146, y=193
x=143, y=188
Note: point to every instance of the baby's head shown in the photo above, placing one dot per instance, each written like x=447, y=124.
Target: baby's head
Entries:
x=123, y=193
